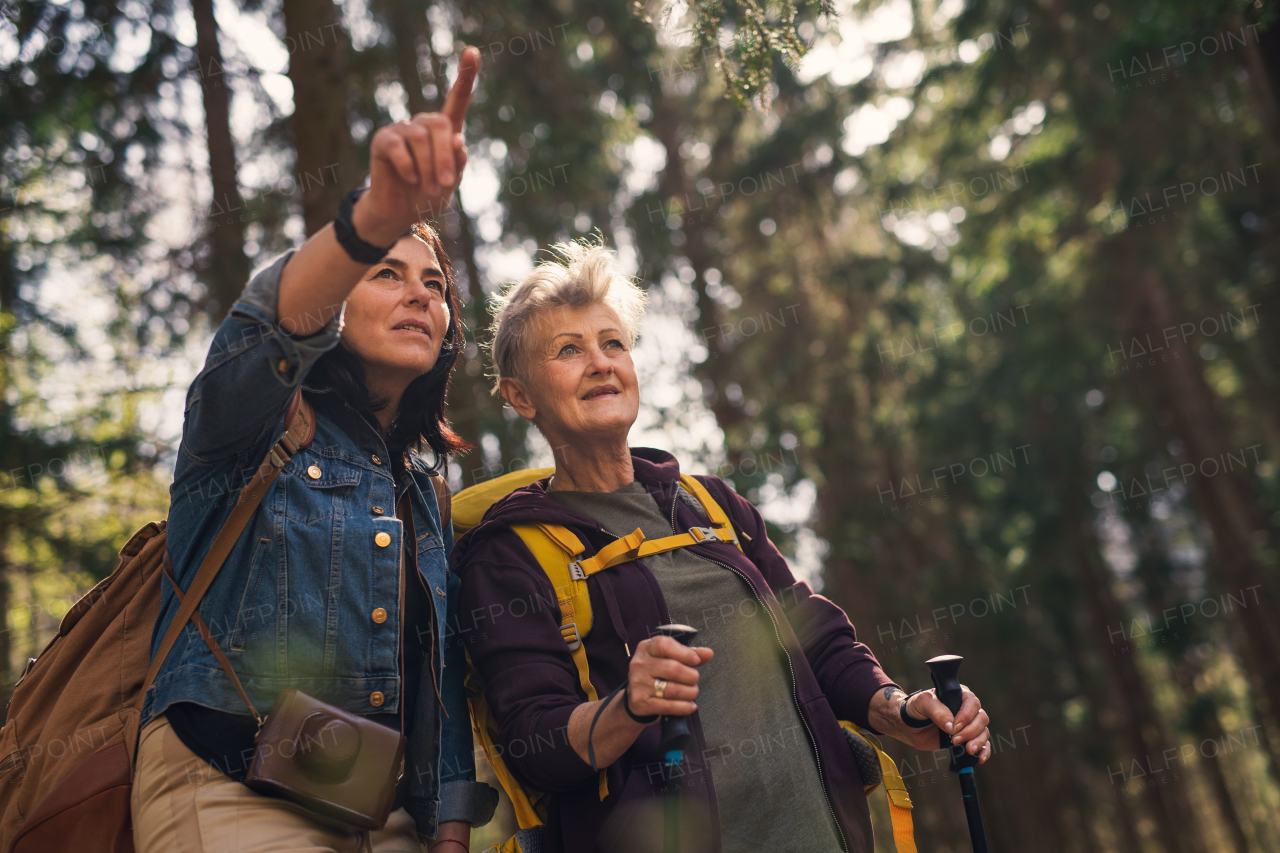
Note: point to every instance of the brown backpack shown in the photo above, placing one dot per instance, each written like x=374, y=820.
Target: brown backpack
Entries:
x=70, y=737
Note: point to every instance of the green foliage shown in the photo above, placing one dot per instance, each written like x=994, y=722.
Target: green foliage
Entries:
x=757, y=35
x=965, y=290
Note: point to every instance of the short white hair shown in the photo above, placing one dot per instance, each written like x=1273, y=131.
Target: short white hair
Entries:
x=579, y=274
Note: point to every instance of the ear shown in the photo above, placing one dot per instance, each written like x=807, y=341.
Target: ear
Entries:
x=513, y=391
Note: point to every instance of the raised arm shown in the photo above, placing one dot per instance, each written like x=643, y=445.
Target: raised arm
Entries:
x=414, y=168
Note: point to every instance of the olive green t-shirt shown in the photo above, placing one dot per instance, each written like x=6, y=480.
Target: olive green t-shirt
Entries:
x=761, y=761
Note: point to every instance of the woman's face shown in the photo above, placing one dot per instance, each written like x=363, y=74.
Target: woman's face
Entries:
x=396, y=316
x=581, y=381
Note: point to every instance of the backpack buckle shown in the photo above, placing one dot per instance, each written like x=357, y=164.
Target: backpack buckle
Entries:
x=576, y=572
x=704, y=534
x=571, y=636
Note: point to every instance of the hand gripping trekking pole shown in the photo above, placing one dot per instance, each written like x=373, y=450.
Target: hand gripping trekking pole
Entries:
x=673, y=741
x=944, y=669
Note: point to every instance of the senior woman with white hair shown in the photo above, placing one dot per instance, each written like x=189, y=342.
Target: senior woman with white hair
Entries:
x=776, y=665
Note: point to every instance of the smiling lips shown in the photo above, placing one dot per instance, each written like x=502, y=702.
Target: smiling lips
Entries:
x=602, y=391
x=411, y=326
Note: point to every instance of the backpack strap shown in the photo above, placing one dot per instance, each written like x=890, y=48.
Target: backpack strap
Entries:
x=211, y=642
x=559, y=553
x=299, y=431
x=444, y=500
x=551, y=547
x=895, y=791
x=634, y=546
x=714, y=512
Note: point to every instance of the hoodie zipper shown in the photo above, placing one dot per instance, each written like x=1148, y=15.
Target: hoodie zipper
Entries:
x=795, y=696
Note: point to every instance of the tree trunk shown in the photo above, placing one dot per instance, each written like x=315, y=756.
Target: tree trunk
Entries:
x=1226, y=499
x=676, y=188
x=1186, y=666
x=1206, y=725
x=6, y=629
x=327, y=166
x=227, y=270
x=1144, y=729
x=409, y=27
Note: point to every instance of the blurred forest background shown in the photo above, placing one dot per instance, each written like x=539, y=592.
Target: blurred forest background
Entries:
x=975, y=299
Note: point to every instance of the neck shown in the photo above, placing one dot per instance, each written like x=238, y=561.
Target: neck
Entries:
x=388, y=390
x=591, y=466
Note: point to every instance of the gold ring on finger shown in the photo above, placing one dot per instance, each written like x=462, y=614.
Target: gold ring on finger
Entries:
x=659, y=687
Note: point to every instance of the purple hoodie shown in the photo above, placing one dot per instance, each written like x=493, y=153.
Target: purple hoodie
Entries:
x=510, y=624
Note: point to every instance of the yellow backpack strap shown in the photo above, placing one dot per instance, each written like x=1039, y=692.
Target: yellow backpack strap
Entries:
x=486, y=731
x=634, y=546
x=717, y=515
x=550, y=546
x=554, y=548
x=895, y=791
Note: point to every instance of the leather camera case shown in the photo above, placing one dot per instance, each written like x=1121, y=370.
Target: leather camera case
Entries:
x=332, y=762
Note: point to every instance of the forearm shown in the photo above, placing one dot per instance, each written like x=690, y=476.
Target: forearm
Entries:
x=452, y=837
x=883, y=713
x=320, y=275
x=614, y=733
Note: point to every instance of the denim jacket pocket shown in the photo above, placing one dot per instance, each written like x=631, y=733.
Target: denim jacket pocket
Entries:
x=318, y=487
x=251, y=614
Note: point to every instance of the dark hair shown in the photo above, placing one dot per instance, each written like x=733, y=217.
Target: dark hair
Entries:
x=420, y=422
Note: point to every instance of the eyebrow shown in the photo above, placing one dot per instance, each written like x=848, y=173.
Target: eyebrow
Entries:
x=576, y=335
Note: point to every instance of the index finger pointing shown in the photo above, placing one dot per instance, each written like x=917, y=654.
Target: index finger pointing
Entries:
x=455, y=106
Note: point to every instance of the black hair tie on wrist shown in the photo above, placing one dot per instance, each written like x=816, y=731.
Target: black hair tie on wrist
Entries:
x=345, y=231
x=910, y=720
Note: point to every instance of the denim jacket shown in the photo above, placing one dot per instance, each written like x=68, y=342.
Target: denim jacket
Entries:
x=310, y=595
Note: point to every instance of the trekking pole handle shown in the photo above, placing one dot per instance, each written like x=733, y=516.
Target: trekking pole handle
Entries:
x=945, y=672
x=676, y=736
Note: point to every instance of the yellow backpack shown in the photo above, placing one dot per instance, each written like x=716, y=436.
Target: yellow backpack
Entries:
x=561, y=555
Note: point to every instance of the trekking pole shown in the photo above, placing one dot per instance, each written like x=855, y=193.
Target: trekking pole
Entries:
x=675, y=738
x=944, y=670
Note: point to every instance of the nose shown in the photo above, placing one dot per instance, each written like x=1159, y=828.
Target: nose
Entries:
x=600, y=362
x=418, y=293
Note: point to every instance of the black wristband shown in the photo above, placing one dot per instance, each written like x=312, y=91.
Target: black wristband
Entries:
x=644, y=721
x=910, y=720
x=359, y=251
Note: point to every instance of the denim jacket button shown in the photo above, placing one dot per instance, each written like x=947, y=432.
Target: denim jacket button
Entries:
x=314, y=472
x=383, y=539
x=379, y=615
x=377, y=510
x=376, y=698
x=377, y=460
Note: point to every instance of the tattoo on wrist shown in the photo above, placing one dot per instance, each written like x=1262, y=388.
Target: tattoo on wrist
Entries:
x=890, y=691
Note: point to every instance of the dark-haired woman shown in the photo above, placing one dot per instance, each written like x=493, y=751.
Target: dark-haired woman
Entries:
x=325, y=591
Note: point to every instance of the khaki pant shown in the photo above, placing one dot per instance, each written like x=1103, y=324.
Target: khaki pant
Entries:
x=181, y=804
